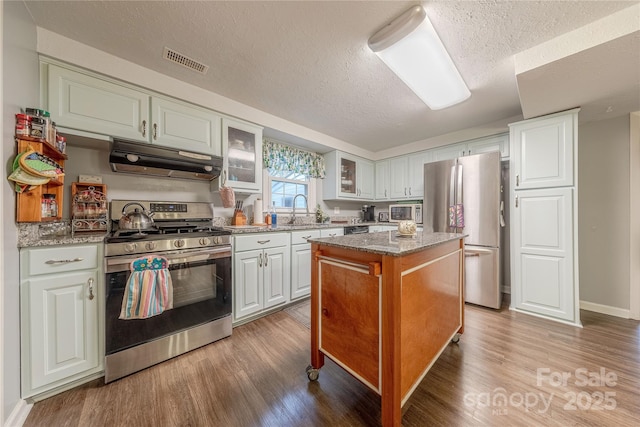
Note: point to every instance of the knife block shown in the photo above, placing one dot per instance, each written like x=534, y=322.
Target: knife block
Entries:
x=239, y=218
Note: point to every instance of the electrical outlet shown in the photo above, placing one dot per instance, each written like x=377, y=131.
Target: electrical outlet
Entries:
x=336, y=210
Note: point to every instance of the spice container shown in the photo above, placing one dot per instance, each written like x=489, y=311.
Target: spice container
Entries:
x=48, y=206
x=61, y=143
x=37, y=131
x=23, y=126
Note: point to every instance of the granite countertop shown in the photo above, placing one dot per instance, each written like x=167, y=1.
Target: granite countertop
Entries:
x=26, y=241
x=388, y=242
x=242, y=229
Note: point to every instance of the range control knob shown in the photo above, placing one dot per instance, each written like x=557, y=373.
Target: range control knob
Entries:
x=204, y=241
x=130, y=247
x=216, y=240
x=179, y=243
x=151, y=246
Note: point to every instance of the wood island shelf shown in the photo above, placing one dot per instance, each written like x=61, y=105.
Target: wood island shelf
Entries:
x=384, y=307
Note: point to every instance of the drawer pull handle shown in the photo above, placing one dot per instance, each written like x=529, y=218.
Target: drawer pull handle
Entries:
x=262, y=242
x=306, y=237
x=63, y=261
x=91, y=296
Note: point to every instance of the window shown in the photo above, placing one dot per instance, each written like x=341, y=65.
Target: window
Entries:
x=282, y=186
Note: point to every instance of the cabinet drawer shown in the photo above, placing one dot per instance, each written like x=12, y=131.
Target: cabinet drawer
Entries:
x=261, y=241
x=300, y=237
x=59, y=259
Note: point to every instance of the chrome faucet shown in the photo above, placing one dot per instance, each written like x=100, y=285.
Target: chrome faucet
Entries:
x=293, y=213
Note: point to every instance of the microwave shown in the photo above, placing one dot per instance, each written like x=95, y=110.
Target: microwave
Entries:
x=406, y=211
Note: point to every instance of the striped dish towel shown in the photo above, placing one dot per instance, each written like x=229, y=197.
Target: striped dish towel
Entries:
x=149, y=291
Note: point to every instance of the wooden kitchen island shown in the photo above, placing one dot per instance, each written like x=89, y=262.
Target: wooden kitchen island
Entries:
x=384, y=307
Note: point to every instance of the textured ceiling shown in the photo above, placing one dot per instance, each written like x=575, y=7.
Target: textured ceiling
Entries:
x=308, y=61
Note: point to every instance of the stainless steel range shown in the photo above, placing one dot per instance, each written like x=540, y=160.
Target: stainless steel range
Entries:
x=198, y=259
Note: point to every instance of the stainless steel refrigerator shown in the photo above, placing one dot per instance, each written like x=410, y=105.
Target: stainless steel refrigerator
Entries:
x=464, y=195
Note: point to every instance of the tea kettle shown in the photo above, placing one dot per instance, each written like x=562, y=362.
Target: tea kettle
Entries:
x=136, y=220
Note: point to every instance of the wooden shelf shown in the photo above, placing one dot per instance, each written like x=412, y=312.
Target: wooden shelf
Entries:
x=28, y=204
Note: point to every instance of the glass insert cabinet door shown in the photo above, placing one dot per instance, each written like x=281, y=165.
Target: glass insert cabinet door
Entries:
x=348, y=184
x=242, y=152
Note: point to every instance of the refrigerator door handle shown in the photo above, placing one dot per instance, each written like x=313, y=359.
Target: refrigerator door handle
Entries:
x=459, y=186
x=476, y=252
x=452, y=186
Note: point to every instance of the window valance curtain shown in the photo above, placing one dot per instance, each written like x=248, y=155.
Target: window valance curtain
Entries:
x=281, y=157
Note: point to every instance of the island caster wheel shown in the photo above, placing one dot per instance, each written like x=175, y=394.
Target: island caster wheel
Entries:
x=312, y=373
x=455, y=339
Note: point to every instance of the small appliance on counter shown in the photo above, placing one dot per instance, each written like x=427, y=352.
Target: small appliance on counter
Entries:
x=368, y=214
x=383, y=216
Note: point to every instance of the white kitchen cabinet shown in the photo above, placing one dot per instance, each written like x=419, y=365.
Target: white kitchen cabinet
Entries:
x=407, y=176
x=544, y=221
x=543, y=152
x=382, y=181
x=61, y=298
x=262, y=273
x=332, y=232
x=186, y=127
x=88, y=102
x=490, y=144
x=448, y=152
x=85, y=102
x=542, y=242
x=301, y=262
x=348, y=177
x=399, y=177
x=242, y=153
x=476, y=146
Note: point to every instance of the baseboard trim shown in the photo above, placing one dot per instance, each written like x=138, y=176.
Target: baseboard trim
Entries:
x=19, y=414
x=605, y=309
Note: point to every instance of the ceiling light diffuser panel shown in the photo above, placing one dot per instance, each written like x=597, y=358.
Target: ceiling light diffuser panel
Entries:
x=411, y=48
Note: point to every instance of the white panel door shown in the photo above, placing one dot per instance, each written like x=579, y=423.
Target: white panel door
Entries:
x=382, y=180
x=399, y=177
x=185, y=127
x=277, y=276
x=543, y=152
x=542, y=233
x=87, y=103
x=247, y=270
x=64, y=326
x=300, y=271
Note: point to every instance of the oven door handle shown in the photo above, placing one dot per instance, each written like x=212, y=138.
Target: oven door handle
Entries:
x=192, y=258
x=122, y=264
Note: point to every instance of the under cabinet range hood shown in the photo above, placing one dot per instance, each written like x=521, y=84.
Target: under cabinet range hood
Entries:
x=151, y=160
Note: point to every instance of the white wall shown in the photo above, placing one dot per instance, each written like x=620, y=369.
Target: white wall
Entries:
x=603, y=152
x=20, y=89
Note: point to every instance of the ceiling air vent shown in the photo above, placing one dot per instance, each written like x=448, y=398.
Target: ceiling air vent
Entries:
x=185, y=61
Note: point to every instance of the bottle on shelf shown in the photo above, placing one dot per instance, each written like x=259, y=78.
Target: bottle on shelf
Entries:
x=274, y=216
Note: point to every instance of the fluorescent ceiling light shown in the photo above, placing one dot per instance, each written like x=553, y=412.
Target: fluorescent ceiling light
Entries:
x=410, y=46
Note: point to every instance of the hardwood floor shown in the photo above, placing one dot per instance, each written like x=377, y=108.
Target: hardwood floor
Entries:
x=256, y=378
